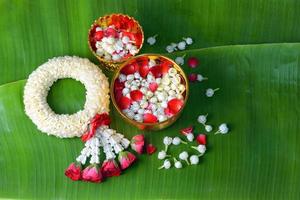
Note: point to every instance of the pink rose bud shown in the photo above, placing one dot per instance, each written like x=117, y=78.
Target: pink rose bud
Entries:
x=110, y=168
x=137, y=143
x=126, y=159
x=73, y=171
x=92, y=174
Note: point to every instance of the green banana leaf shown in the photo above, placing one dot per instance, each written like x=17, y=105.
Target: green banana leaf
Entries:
x=258, y=98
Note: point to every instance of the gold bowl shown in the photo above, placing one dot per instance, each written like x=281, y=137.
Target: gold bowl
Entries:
x=157, y=125
x=107, y=20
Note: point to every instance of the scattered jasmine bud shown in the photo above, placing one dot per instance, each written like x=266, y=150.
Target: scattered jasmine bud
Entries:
x=202, y=119
x=200, y=148
x=167, y=142
x=162, y=155
x=180, y=60
x=177, y=141
x=152, y=40
x=177, y=164
x=188, y=40
x=181, y=45
x=208, y=128
x=210, y=92
x=201, y=78
x=194, y=159
x=166, y=165
x=223, y=129
x=184, y=156
x=190, y=137
x=174, y=45
x=169, y=49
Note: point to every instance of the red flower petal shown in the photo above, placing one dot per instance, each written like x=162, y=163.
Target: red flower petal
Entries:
x=149, y=118
x=144, y=70
x=193, y=62
x=156, y=71
x=153, y=86
x=119, y=85
x=110, y=32
x=98, y=35
x=129, y=69
x=118, y=95
x=201, y=139
x=136, y=95
x=165, y=66
x=124, y=102
x=175, y=105
x=168, y=112
x=187, y=130
x=150, y=148
x=193, y=77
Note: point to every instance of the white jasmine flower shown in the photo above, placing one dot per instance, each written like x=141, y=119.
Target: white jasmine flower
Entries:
x=184, y=156
x=166, y=165
x=151, y=40
x=210, y=92
x=162, y=155
x=194, y=159
x=223, y=129
x=169, y=49
x=177, y=164
x=190, y=137
x=167, y=142
x=200, y=148
x=202, y=119
x=180, y=60
x=201, y=78
x=125, y=40
x=181, y=45
x=177, y=141
x=208, y=128
x=188, y=40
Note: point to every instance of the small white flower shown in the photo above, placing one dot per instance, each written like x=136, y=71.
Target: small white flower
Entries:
x=194, y=159
x=190, y=137
x=180, y=60
x=202, y=119
x=125, y=40
x=162, y=155
x=98, y=29
x=169, y=49
x=201, y=78
x=181, y=45
x=188, y=40
x=130, y=77
x=184, y=156
x=162, y=118
x=167, y=142
x=208, y=128
x=122, y=77
x=223, y=129
x=210, y=92
x=151, y=40
x=177, y=141
x=200, y=148
x=166, y=165
x=177, y=164
x=138, y=118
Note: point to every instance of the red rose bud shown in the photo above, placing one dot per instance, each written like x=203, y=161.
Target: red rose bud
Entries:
x=73, y=171
x=153, y=86
x=126, y=159
x=144, y=70
x=110, y=168
x=149, y=118
x=175, y=105
x=193, y=77
x=92, y=174
x=193, y=62
x=110, y=32
x=136, y=95
x=98, y=35
x=124, y=102
x=168, y=112
x=150, y=149
x=137, y=143
x=187, y=130
x=129, y=69
x=156, y=71
x=201, y=139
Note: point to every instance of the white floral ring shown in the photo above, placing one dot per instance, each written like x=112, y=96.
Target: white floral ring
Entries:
x=39, y=83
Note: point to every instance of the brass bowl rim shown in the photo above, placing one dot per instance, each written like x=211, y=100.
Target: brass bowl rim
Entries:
x=116, y=74
x=123, y=59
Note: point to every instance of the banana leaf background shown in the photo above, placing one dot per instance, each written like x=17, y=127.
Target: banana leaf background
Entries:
x=249, y=49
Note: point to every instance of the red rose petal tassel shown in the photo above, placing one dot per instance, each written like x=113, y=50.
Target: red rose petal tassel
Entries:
x=136, y=95
x=201, y=139
x=74, y=171
x=175, y=105
x=150, y=149
x=187, y=130
x=126, y=159
x=193, y=62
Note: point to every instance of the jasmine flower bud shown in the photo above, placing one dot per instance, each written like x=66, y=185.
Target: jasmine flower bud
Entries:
x=210, y=92
x=167, y=141
x=184, y=156
x=188, y=40
x=202, y=119
x=151, y=40
x=208, y=128
x=169, y=49
x=194, y=159
x=177, y=164
x=201, y=78
x=223, y=129
x=200, y=148
x=180, y=60
x=177, y=141
x=166, y=165
x=162, y=155
x=190, y=137
x=181, y=45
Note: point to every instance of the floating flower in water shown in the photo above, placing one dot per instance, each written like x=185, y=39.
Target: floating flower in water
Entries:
x=201, y=139
x=162, y=155
x=152, y=40
x=177, y=141
x=150, y=149
x=210, y=92
x=223, y=129
x=180, y=60
x=188, y=40
x=184, y=156
x=202, y=119
x=166, y=165
x=177, y=164
x=208, y=128
x=193, y=62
